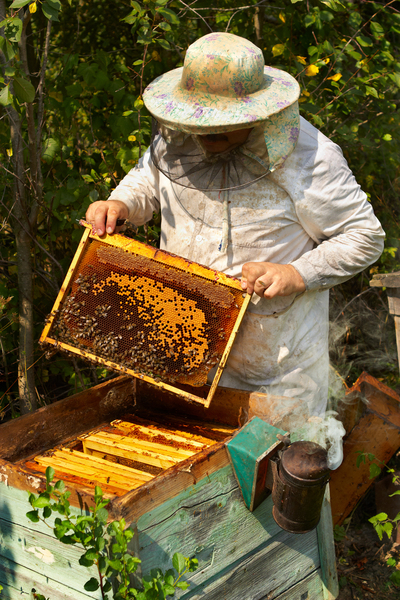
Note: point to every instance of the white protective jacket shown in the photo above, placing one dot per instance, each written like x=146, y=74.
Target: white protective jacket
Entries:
x=310, y=213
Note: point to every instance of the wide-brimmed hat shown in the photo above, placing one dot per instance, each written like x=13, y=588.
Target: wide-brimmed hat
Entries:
x=224, y=85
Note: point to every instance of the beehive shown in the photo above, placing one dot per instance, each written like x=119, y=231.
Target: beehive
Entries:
x=147, y=313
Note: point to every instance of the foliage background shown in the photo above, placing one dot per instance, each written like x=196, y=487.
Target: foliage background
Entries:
x=91, y=128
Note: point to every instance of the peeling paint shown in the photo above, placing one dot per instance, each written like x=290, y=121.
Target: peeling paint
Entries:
x=4, y=478
x=34, y=482
x=42, y=553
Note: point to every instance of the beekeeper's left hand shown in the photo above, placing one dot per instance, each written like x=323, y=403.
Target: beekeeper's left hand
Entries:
x=268, y=280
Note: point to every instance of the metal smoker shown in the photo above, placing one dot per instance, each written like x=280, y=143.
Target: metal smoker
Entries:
x=296, y=474
x=299, y=475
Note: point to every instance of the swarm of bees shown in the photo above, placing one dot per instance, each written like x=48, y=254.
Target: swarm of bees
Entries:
x=147, y=321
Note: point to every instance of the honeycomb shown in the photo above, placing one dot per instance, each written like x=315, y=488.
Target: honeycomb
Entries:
x=145, y=315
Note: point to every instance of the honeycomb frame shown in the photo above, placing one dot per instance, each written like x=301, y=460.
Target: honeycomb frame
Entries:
x=168, y=328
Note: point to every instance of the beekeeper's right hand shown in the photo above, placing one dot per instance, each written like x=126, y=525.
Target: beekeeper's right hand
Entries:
x=104, y=214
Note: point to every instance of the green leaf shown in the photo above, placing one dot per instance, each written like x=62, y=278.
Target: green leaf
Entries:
x=183, y=585
x=370, y=91
x=59, y=486
x=13, y=29
x=169, y=590
x=381, y=516
x=41, y=502
x=164, y=44
x=51, y=148
x=164, y=25
x=395, y=77
x=85, y=562
x=376, y=29
x=388, y=138
x=168, y=15
x=138, y=104
x=388, y=529
x=178, y=562
x=294, y=1
x=92, y=585
x=49, y=474
x=333, y=4
x=49, y=11
x=33, y=516
x=56, y=4
x=360, y=459
x=24, y=91
x=6, y=96
x=102, y=515
x=47, y=512
x=364, y=41
x=19, y=3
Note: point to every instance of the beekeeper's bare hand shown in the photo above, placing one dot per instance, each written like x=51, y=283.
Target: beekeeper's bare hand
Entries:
x=268, y=280
x=102, y=214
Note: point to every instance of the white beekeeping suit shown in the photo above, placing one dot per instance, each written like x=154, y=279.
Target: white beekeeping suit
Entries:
x=309, y=212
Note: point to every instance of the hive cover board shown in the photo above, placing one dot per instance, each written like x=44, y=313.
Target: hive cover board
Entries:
x=146, y=312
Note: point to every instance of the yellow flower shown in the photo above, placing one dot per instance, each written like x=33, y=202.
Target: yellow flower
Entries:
x=132, y=138
x=311, y=70
x=9, y=152
x=335, y=77
x=301, y=59
x=326, y=60
x=33, y=7
x=282, y=17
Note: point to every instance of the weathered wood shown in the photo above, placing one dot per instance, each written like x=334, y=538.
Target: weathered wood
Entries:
x=19, y=580
x=326, y=546
x=350, y=409
x=309, y=588
x=228, y=406
x=126, y=448
x=94, y=470
x=30, y=555
x=31, y=477
x=160, y=432
x=132, y=443
x=270, y=570
x=210, y=521
x=391, y=280
x=43, y=553
x=75, y=483
x=169, y=484
x=65, y=419
x=377, y=432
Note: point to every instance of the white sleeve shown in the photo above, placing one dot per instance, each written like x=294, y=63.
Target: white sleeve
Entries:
x=138, y=190
x=336, y=214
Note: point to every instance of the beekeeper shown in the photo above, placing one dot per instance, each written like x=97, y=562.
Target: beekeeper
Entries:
x=248, y=187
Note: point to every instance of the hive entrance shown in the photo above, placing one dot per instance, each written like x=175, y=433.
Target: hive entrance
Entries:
x=146, y=312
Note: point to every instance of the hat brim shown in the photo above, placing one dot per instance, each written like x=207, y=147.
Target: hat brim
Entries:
x=199, y=113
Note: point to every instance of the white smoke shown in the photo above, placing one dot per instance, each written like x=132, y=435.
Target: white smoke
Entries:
x=326, y=431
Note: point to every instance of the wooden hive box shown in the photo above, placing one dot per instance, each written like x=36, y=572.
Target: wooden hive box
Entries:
x=185, y=498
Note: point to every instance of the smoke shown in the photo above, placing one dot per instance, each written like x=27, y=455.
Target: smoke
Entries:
x=326, y=431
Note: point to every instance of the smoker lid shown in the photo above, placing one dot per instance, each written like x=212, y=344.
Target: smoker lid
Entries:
x=306, y=462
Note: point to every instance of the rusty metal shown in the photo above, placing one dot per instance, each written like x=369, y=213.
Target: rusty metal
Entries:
x=146, y=312
x=299, y=480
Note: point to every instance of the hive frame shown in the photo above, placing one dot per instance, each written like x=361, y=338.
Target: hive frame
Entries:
x=116, y=240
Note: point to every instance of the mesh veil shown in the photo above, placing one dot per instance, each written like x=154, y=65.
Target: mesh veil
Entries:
x=182, y=158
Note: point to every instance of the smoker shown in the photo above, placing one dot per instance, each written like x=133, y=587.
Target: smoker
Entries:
x=296, y=474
